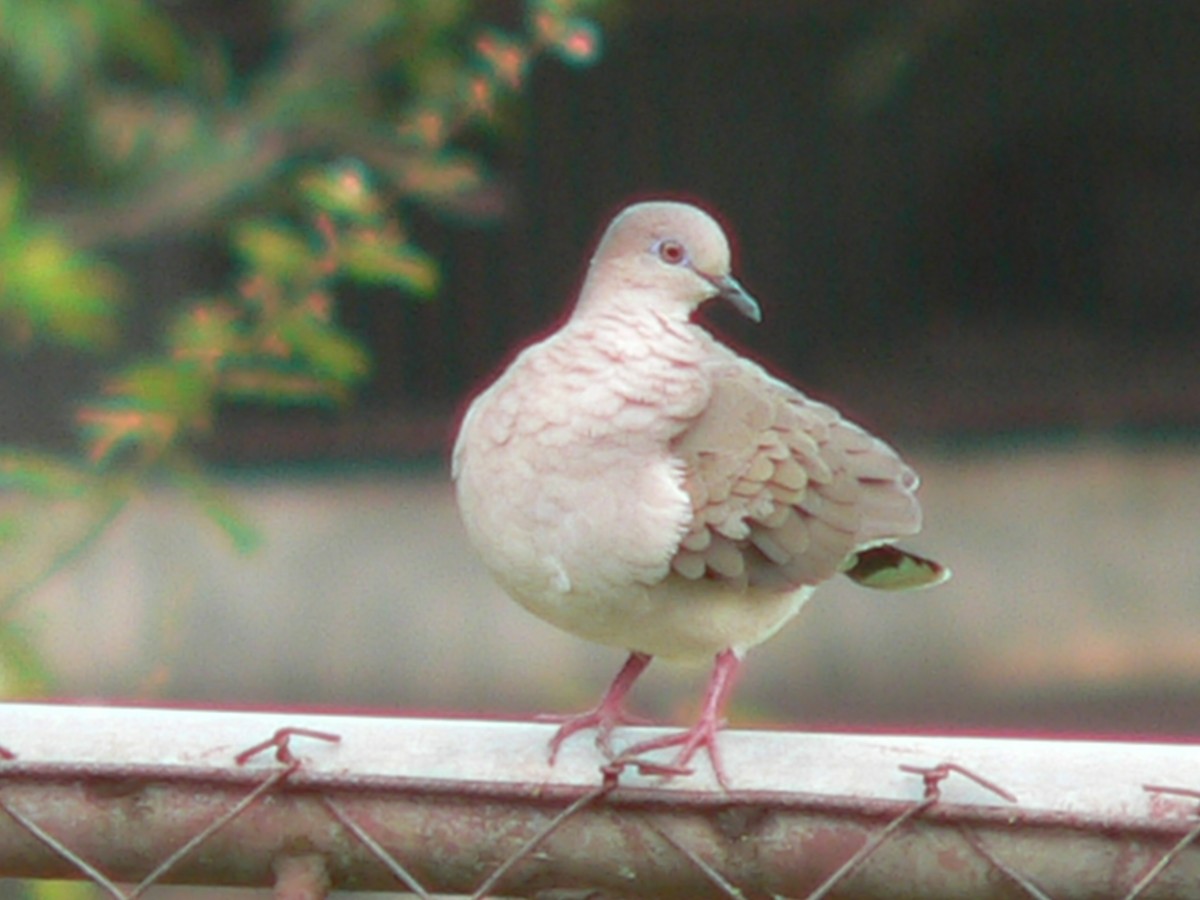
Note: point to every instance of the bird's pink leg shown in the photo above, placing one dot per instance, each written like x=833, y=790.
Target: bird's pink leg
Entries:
x=702, y=734
x=608, y=713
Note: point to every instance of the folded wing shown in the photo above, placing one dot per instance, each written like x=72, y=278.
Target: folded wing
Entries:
x=783, y=489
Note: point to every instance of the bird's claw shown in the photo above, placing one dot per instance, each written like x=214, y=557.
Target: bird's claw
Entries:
x=603, y=719
x=702, y=735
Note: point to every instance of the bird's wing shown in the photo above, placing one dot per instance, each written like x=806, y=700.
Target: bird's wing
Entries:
x=783, y=489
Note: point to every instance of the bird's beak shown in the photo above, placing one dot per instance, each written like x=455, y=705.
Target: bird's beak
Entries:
x=729, y=289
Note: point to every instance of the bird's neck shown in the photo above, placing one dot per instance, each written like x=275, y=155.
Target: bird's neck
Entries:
x=616, y=294
x=627, y=331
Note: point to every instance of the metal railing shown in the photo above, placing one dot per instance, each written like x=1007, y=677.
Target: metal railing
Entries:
x=134, y=797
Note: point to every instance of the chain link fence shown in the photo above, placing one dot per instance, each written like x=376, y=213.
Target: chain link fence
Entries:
x=135, y=797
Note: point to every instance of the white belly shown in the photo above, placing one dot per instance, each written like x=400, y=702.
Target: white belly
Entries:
x=676, y=618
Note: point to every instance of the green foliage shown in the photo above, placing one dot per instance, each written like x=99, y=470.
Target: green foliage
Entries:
x=53, y=46
x=309, y=164
x=40, y=475
x=48, y=289
x=24, y=673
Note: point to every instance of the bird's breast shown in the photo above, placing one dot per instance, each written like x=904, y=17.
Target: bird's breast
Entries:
x=565, y=475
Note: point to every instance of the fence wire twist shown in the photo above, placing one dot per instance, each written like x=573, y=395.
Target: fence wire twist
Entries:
x=306, y=827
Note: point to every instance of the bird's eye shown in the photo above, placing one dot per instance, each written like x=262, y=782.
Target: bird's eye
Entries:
x=671, y=252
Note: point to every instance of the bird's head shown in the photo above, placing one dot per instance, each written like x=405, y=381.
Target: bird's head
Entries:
x=672, y=255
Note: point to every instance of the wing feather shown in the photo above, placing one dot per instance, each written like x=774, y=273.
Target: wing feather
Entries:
x=783, y=489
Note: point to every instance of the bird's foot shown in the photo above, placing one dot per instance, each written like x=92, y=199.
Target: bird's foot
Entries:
x=702, y=735
x=605, y=717
x=608, y=713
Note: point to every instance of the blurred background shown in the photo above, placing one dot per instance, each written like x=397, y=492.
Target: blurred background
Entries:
x=257, y=256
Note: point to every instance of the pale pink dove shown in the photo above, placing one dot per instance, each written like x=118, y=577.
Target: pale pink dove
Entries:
x=637, y=483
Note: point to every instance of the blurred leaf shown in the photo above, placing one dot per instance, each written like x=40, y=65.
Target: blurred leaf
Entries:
x=23, y=671
x=506, y=57
x=376, y=259
x=437, y=174
x=148, y=404
x=206, y=333
x=342, y=190
x=280, y=383
x=48, y=289
x=110, y=428
x=182, y=390
x=146, y=37
x=274, y=250
x=56, y=532
x=578, y=43
x=11, y=198
x=41, y=474
x=55, y=45
x=574, y=39
x=426, y=126
x=56, y=293
x=12, y=528
x=219, y=508
x=137, y=130
x=48, y=44
x=326, y=348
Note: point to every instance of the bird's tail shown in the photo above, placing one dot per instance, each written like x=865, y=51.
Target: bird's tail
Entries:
x=886, y=567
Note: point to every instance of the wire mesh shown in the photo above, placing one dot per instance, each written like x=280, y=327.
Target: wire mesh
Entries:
x=132, y=797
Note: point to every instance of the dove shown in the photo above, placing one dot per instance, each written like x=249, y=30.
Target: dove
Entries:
x=637, y=483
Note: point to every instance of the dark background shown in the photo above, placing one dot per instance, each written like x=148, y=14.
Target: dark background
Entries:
x=962, y=219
